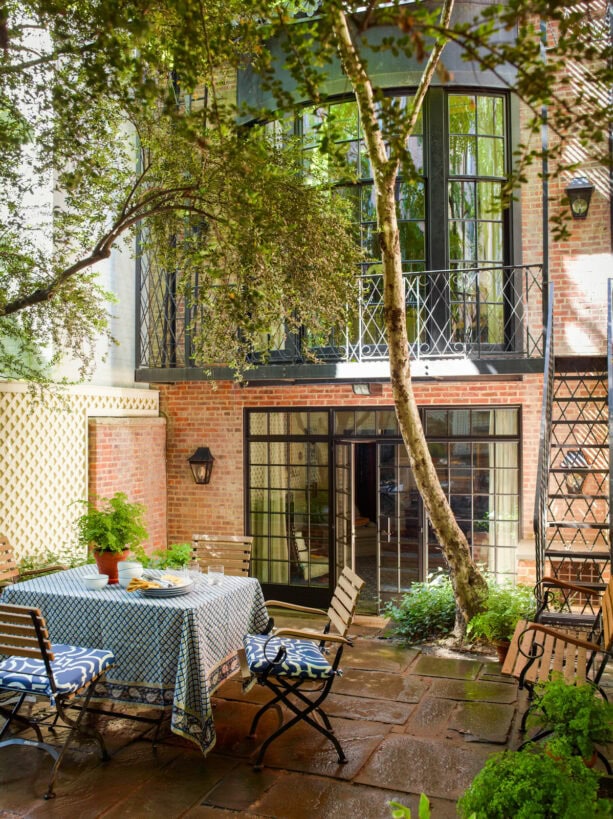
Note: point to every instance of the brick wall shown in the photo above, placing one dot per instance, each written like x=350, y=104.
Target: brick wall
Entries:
x=129, y=455
x=580, y=265
x=199, y=414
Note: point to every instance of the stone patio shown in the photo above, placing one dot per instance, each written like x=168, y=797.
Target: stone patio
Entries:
x=408, y=721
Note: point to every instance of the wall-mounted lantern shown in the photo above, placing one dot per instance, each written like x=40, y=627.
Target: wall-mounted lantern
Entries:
x=579, y=192
x=574, y=463
x=201, y=464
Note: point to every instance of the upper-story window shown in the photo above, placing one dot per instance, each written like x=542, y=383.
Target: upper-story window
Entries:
x=451, y=221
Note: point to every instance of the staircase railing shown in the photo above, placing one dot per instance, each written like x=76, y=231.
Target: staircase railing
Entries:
x=542, y=475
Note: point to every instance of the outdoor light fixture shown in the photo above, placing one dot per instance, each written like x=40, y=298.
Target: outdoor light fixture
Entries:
x=579, y=192
x=201, y=463
x=361, y=389
x=574, y=480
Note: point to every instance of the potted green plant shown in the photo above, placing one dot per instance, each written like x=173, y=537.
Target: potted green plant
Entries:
x=573, y=714
x=504, y=606
x=109, y=528
x=530, y=784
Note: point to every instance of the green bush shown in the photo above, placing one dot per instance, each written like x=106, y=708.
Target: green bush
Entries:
x=575, y=714
x=425, y=612
x=531, y=785
x=505, y=605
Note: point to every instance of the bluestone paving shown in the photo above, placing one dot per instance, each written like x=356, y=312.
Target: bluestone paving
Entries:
x=414, y=764
x=483, y=721
x=474, y=690
x=409, y=723
x=455, y=669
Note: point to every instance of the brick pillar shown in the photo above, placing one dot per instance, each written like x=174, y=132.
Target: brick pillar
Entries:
x=129, y=455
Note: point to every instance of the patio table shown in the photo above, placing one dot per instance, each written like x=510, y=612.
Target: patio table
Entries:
x=172, y=652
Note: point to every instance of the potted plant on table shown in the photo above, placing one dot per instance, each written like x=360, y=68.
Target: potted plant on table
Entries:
x=574, y=715
x=110, y=528
x=504, y=607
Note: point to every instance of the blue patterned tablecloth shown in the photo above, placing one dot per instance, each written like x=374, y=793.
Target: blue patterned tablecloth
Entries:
x=170, y=652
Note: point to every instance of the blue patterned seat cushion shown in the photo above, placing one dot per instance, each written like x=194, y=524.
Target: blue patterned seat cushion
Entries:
x=302, y=659
x=73, y=667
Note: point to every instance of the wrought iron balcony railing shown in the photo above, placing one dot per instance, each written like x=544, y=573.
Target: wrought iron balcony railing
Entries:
x=475, y=313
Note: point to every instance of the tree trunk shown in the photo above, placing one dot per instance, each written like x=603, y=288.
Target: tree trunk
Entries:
x=468, y=583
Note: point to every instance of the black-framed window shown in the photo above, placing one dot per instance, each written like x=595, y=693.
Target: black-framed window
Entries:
x=454, y=230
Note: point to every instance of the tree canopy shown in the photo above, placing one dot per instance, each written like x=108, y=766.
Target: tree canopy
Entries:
x=96, y=140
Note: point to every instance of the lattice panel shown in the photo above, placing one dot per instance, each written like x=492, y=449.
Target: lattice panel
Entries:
x=43, y=462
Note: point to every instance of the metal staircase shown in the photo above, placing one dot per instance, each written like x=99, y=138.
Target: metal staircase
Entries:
x=572, y=512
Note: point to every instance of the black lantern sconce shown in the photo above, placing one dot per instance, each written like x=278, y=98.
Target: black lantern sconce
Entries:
x=579, y=192
x=201, y=464
x=574, y=463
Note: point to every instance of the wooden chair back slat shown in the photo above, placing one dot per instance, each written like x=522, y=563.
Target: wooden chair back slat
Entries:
x=8, y=565
x=344, y=601
x=233, y=552
x=607, y=617
x=23, y=633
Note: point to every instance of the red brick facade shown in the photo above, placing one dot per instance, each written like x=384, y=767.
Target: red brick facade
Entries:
x=200, y=414
x=129, y=455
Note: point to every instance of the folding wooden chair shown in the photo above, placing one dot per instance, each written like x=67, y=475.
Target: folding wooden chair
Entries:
x=10, y=571
x=233, y=552
x=32, y=666
x=538, y=651
x=295, y=665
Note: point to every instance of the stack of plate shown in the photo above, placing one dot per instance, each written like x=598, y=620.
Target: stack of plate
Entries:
x=172, y=591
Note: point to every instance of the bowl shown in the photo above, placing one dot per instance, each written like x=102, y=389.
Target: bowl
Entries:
x=95, y=581
x=126, y=574
x=127, y=565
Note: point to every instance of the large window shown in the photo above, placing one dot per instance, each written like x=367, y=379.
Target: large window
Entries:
x=333, y=487
x=451, y=221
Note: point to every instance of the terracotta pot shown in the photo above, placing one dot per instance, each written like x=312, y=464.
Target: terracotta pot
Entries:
x=107, y=563
x=502, y=649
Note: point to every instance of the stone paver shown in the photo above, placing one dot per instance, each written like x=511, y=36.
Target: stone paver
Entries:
x=430, y=666
x=409, y=723
x=474, y=690
x=382, y=685
x=431, y=716
x=413, y=764
x=483, y=721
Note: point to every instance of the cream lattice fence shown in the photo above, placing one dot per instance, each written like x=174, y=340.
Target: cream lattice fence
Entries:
x=44, y=463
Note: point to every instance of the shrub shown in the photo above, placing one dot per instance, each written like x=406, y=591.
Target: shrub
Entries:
x=425, y=612
x=531, y=785
x=505, y=605
x=573, y=713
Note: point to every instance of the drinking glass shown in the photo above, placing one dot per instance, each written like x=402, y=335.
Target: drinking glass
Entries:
x=215, y=574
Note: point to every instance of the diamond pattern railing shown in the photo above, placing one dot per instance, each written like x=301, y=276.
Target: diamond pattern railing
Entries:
x=472, y=313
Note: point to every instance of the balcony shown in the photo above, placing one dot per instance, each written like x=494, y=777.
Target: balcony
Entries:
x=471, y=321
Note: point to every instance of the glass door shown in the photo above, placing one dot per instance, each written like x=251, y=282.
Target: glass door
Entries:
x=400, y=523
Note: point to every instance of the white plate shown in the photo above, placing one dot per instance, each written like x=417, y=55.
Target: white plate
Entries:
x=174, y=591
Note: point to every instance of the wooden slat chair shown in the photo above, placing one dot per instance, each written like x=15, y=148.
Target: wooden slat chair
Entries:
x=295, y=665
x=30, y=665
x=538, y=651
x=9, y=569
x=233, y=552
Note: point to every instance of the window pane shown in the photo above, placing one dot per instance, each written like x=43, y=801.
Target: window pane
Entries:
x=489, y=203
x=462, y=200
x=462, y=155
x=462, y=114
x=490, y=111
x=436, y=423
x=412, y=240
x=491, y=156
x=411, y=200
x=490, y=241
